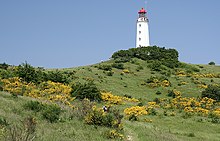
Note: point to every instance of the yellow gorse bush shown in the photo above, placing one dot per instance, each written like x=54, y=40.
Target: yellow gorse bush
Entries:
x=136, y=110
x=197, y=75
x=16, y=86
x=202, y=86
x=216, y=112
x=113, y=99
x=126, y=71
x=200, y=106
x=157, y=83
x=55, y=92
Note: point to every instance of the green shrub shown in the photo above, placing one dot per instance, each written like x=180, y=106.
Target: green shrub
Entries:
x=112, y=118
x=109, y=73
x=4, y=66
x=34, y=106
x=105, y=67
x=139, y=68
x=83, y=108
x=212, y=91
x=1, y=85
x=58, y=76
x=3, y=122
x=87, y=90
x=133, y=118
x=128, y=96
x=158, y=93
x=191, y=135
x=156, y=66
x=118, y=65
x=5, y=74
x=29, y=74
x=51, y=113
x=140, y=104
x=212, y=63
x=169, y=57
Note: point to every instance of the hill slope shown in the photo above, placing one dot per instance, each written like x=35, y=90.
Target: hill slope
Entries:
x=161, y=90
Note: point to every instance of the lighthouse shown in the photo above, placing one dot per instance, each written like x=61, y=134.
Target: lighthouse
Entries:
x=142, y=36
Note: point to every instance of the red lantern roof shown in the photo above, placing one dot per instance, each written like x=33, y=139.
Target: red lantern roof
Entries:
x=142, y=11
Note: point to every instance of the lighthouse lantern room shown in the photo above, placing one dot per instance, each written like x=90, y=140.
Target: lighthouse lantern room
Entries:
x=142, y=36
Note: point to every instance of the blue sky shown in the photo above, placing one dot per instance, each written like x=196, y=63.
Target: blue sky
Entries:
x=69, y=33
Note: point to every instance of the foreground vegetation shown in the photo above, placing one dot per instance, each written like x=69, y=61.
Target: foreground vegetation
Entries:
x=146, y=97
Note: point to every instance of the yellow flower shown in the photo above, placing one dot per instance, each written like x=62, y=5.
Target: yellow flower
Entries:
x=136, y=110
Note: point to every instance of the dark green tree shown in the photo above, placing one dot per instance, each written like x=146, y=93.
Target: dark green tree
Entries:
x=88, y=90
x=27, y=73
x=212, y=63
x=213, y=91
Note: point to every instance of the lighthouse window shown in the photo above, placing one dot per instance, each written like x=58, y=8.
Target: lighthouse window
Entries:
x=139, y=32
x=139, y=39
x=139, y=25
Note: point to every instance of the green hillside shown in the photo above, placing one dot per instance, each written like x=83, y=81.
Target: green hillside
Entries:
x=168, y=97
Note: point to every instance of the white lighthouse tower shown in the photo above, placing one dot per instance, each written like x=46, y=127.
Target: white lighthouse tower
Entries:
x=142, y=36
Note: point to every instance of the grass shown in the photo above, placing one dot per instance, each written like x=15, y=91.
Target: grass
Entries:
x=166, y=128
x=69, y=130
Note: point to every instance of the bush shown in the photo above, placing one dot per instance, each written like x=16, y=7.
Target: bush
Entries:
x=3, y=122
x=34, y=106
x=118, y=65
x=133, y=117
x=4, y=66
x=109, y=73
x=156, y=66
x=28, y=73
x=1, y=85
x=212, y=91
x=114, y=134
x=212, y=63
x=158, y=93
x=83, y=108
x=87, y=90
x=139, y=68
x=51, y=113
x=168, y=57
x=5, y=74
x=105, y=67
x=57, y=76
x=111, y=118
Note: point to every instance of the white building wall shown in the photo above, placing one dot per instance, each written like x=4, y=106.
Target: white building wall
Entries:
x=142, y=36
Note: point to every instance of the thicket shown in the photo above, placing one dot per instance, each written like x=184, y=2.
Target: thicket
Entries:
x=118, y=65
x=4, y=66
x=29, y=73
x=168, y=57
x=87, y=111
x=50, y=112
x=211, y=63
x=87, y=90
x=212, y=91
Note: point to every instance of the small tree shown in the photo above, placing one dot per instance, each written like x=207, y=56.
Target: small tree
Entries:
x=27, y=72
x=212, y=63
x=87, y=90
x=213, y=91
x=4, y=66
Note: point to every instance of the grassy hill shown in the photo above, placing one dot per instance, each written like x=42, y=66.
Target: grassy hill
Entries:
x=136, y=79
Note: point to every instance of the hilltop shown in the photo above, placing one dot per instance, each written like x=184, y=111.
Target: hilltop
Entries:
x=150, y=94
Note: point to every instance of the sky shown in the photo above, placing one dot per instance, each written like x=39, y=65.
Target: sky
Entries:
x=71, y=33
